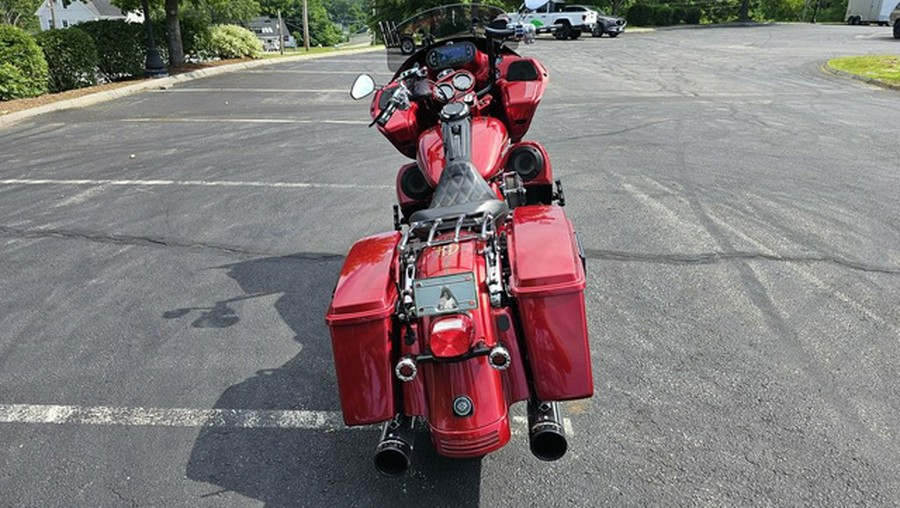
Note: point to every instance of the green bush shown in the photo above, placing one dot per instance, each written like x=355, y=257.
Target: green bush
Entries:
x=662, y=15
x=232, y=41
x=121, y=47
x=23, y=69
x=640, y=15
x=71, y=56
x=194, y=35
x=692, y=15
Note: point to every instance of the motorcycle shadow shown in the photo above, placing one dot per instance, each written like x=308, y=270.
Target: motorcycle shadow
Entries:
x=309, y=467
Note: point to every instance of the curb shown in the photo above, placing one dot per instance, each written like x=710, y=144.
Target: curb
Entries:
x=827, y=69
x=96, y=98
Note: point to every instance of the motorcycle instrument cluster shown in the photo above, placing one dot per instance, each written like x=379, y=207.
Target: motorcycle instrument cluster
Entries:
x=463, y=81
x=451, y=55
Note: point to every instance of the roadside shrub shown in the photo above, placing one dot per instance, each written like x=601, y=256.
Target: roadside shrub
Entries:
x=232, y=41
x=121, y=47
x=640, y=15
x=71, y=57
x=194, y=35
x=692, y=15
x=662, y=15
x=23, y=69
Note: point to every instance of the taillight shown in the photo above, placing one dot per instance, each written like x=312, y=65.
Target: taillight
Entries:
x=451, y=336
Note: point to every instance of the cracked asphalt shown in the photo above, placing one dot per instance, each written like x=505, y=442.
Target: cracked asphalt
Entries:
x=739, y=208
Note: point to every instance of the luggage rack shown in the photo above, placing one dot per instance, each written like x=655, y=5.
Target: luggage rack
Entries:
x=412, y=241
x=411, y=245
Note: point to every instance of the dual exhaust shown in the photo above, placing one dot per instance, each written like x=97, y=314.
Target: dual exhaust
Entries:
x=546, y=438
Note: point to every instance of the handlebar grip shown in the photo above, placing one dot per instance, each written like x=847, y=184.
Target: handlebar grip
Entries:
x=499, y=32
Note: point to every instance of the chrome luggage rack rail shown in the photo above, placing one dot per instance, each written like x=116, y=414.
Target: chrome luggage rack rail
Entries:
x=411, y=240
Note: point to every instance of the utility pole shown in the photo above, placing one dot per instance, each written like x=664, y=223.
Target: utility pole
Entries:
x=280, y=34
x=305, y=27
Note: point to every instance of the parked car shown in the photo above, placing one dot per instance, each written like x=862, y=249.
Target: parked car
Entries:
x=612, y=25
x=895, y=21
x=556, y=17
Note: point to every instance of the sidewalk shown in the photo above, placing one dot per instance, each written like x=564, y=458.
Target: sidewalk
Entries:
x=148, y=84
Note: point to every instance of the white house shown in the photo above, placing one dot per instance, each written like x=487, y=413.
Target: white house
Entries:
x=266, y=30
x=79, y=11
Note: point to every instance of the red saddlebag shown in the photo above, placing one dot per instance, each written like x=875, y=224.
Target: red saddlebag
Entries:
x=548, y=282
x=361, y=330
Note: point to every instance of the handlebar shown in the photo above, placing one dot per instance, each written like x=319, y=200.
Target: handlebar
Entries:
x=401, y=97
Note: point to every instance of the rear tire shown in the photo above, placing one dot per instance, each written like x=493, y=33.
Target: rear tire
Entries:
x=597, y=31
x=407, y=46
x=574, y=34
x=614, y=35
x=897, y=30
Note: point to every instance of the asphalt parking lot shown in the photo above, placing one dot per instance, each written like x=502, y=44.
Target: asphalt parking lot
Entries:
x=167, y=259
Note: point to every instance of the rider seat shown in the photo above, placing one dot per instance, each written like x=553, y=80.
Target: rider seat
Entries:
x=461, y=191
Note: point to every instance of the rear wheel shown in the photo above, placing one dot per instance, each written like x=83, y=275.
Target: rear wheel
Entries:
x=597, y=31
x=897, y=29
x=614, y=35
x=407, y=46
x=574, y=34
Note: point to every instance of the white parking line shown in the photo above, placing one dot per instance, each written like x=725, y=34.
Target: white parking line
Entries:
x=193, y=183
x=308, y=71
x=184, y=417
x=174, y=417
x=244, y=120
x=259, y=90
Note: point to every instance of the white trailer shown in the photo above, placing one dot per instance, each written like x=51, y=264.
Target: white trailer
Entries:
x=869, y=11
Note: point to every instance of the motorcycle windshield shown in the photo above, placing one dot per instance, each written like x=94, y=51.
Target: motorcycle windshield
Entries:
x=434, y=26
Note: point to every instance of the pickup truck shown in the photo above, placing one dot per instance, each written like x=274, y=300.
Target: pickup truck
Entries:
x=553, y=18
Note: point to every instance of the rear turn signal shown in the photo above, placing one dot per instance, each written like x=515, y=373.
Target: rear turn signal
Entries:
x=499, y=358
x=406, y=369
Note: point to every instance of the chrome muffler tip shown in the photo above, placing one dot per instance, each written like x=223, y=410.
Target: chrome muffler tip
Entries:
x=406, y=369
x=499, y=358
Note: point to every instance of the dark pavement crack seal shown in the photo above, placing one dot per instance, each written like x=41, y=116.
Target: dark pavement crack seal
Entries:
x=703, y=258
x=708, y=258
x=149, y=241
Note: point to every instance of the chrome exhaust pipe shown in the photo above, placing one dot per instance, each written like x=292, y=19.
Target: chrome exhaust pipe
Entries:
x=546, y=435
x=394, y=450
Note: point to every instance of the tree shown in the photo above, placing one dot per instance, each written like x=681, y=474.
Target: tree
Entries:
x=744, y=12
x=219, y=12
x=19, y=13
x=322, y=30
x=173, y=29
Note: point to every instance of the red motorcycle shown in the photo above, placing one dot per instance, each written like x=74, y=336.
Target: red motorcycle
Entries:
x=476, y=300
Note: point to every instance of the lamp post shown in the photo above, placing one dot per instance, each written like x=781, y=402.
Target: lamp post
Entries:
x=154, y=66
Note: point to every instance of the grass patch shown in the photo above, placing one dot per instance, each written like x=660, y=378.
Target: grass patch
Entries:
x=884, y=68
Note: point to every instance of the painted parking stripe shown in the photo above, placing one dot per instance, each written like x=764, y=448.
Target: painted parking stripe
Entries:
x=193, y=183
x=184, y=417
x=308, y=71
x=172, y=417
x=244, y=120
x=257, y=90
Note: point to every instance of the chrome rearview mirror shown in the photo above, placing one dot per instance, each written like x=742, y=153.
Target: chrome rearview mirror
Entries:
x=363, y=85
x=533, y=5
